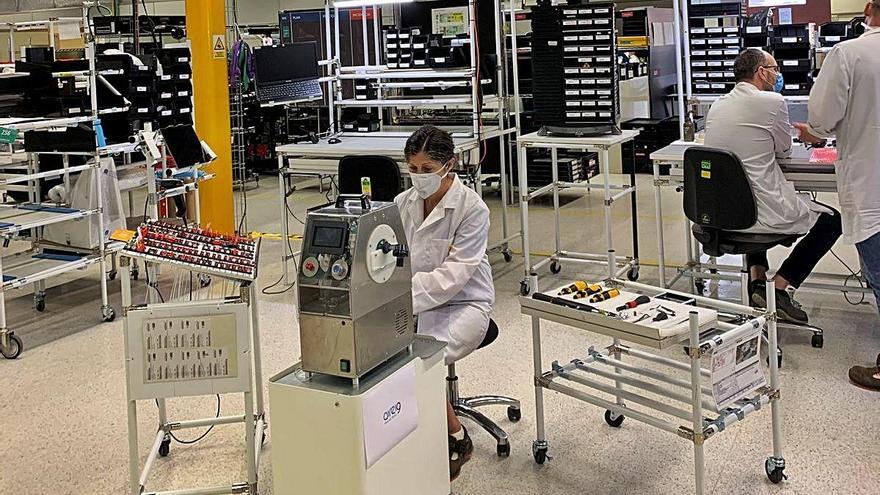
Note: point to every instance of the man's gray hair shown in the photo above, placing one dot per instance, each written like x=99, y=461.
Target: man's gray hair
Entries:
x=747, y=63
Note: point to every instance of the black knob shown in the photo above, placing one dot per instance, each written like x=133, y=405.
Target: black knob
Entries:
x=401, y=251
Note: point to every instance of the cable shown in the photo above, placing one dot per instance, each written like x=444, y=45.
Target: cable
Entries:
x=852, y=276
x=153, y=29
x=203, y=435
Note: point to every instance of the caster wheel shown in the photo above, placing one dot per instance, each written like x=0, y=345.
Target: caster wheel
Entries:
x=111, y=275
x=700, y=286
x=612, y=421
x=632, y=274
x=504, y=450
x=555, y=267
x=524, y=288
x=541, y=456
x=204, y=280
x=817, y=341
x=40, y=305
x=165, y=448
x=13, y=348
x=514, y=414
x=775, y=473
x=108, y=315
x=508, y=256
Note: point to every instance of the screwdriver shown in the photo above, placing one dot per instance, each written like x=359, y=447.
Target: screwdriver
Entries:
x=575, y=287
x=604, y=296
x=588, y=291
x=635, y=302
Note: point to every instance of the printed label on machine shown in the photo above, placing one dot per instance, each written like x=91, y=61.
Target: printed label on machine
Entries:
x=736, y=369
x=391, y=413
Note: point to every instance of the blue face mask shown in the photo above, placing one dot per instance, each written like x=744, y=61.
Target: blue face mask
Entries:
x=780, y=83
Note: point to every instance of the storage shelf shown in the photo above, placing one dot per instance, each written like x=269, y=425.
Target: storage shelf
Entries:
x=422, y=102
x=406, y=74
x=15, y=218
x=26, y=268
x=14, y=179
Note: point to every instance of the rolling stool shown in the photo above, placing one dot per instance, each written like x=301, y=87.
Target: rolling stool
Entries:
x=466, y=406
x=714, y=180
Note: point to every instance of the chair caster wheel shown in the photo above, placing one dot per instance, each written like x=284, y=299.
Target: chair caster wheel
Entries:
x=108, y=315
x=514, y=414
x=614, y=420
x=13, y=348
x=40, y=305
x=632, y=274
x=700, y=286
x=817, y=341
x=555, y=267
x=111, y=275
x=204, y=280
x=503, y=450
x=165, y=448
x=524, y=288
x=508, y=256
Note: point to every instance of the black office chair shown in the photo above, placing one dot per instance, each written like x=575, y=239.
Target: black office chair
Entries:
x=466, y=406
x=718, y=199
x=384, y=174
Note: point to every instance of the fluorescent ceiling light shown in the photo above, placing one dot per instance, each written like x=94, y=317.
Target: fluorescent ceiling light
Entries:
x=366, y=3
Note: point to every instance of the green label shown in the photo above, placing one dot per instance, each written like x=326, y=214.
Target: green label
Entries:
x=7, y=135
x=706, y=165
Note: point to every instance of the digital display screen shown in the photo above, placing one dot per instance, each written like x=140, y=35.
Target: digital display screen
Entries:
x=328, y=237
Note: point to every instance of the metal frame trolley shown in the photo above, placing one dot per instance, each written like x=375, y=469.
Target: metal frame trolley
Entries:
x=199, y=347
x=612, y=193
x=622, y=388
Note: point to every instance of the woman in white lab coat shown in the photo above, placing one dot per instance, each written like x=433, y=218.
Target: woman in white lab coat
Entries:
x=447, y=227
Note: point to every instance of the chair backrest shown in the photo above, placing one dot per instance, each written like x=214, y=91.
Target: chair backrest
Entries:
x=717, y=193
x=384, y=174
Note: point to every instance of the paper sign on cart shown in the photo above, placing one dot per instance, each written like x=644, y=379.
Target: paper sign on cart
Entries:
x=736, y=369
x=391, y=413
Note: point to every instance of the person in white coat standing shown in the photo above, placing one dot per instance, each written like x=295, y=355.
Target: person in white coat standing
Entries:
x=845, y=102
x=447, y=227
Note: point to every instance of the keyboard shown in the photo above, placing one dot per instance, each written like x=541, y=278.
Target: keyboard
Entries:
x=289, y=91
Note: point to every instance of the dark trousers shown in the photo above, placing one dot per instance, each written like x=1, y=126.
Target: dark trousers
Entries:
x=808, y=251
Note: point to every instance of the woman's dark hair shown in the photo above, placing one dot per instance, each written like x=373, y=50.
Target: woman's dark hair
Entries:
x=436, y=143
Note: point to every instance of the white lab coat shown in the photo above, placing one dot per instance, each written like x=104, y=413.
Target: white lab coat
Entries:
x=452, y=284
x=845, y=102
x=753, y=124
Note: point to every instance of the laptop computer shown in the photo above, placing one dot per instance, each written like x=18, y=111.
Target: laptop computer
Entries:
x=287, y=73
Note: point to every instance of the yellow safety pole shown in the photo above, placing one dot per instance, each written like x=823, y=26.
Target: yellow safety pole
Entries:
x=206, y=30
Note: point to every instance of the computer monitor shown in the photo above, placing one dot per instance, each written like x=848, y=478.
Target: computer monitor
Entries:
x=184, y=145
x=293, y=62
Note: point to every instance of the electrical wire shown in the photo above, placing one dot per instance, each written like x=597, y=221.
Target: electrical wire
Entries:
x=203, y=435
x=153, y=29
x=854, y=275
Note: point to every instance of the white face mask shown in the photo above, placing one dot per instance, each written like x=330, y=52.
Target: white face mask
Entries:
x=427, y=184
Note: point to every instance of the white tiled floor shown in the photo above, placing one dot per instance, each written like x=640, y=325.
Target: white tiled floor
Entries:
x=64, y=419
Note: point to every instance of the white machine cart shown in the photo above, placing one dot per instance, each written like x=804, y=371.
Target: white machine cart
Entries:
x=603, y=379
x=218, y=346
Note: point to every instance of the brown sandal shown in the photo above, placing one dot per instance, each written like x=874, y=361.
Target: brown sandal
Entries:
x=464, y=449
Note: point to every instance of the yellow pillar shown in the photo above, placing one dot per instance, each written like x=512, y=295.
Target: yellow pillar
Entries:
x=205, y=28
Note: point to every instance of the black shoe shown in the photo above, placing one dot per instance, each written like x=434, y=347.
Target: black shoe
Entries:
x=786, y=308
x=757, y=288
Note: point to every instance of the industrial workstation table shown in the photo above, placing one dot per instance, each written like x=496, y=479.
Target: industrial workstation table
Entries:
x=649, y=387
x=321, y=159
x=805, y=175
x=612, y=192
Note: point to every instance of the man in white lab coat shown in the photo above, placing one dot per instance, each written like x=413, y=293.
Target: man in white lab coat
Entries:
x=845, y=102
x=752, y=122
x=447, y=227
